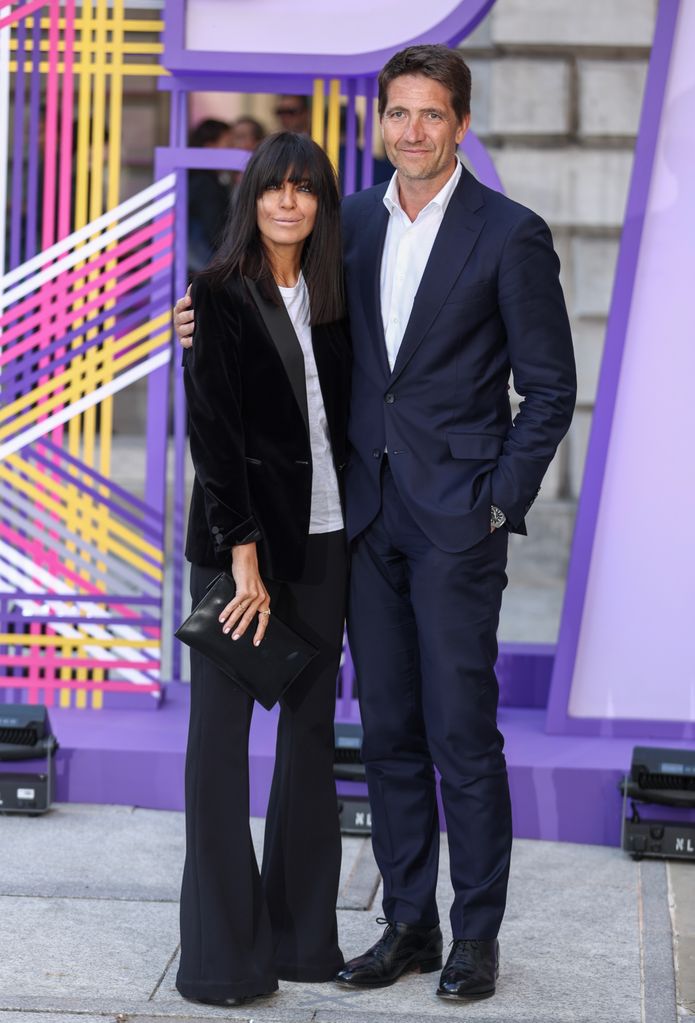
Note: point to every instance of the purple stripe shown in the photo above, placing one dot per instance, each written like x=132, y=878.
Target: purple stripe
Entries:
x=13, y=372
x=180, y=158
x=117, y=490
x=156, y=427
x=350, y=169
x=482, y=163
x=98, y=318
x=17, y=200
x=368, y=151
x=180, y=440
x=71, y=598
x=152, y=531
x=215, y=81
x=32, y=196
x=140, y=623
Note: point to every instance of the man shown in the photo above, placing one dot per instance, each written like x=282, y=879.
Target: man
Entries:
x=450, y=286
x=293, y=114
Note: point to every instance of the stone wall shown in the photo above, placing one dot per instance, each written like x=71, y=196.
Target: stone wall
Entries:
x=557, y=93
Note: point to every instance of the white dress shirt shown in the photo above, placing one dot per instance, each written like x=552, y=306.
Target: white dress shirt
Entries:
x=326, y=513
x=407, y=248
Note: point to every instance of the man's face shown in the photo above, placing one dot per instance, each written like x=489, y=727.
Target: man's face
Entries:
x=420, y=129
x=292, y=114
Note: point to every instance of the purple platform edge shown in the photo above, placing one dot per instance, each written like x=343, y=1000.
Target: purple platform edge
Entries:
x=563, y=788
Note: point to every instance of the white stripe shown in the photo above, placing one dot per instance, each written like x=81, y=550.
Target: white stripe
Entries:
x=4, y=132
x=105, y=391
x=104, y=221
x=23, y=576
x=96, y=245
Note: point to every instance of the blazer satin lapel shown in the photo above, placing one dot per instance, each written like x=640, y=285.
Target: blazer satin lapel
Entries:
x=371, y=252
x=453, y=245
x=282, y=333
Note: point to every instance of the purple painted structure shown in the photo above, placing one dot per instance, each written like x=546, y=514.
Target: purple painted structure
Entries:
x=566, y=680
x=563, y=789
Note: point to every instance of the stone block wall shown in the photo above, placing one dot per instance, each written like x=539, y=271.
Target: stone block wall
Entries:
x=557, y=94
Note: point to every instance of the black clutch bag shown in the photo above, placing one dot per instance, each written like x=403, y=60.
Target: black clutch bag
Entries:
x=265, y=671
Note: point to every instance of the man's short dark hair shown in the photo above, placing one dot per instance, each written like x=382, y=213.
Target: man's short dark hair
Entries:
x=434, y=61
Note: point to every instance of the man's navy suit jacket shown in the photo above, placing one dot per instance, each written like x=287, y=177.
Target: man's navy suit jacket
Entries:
x=489, y=302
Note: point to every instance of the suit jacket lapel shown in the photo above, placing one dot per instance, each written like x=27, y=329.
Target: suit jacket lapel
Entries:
x=373, y=235
x=282, y=333
x=453, y=245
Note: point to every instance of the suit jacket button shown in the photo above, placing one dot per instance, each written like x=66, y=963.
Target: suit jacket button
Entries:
x=390, y=398
x=376, y=453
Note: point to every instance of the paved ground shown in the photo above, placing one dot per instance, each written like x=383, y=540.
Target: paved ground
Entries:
x=88, y=931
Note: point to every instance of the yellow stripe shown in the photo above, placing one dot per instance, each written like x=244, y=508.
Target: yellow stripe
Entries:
x=65, y=378
x=94, y=380
x=44, y=500
x=129, y=24
x=24, y=639
x=317, y=112
x=79, y=47
x=82, y=161
x=133, y=70
x=333, y=133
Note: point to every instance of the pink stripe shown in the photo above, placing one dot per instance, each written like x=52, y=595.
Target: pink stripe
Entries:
x=65, y=182
x=18, y=661
x=50, y=560
x=121, y=288
x=51, y=131
x=22, y=12
x=66, y=279
x=66, y=156
x=89, y=686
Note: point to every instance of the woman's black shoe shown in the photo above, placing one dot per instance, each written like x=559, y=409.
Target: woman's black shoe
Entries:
x=243, y=1000
x=471, y=970
x=401, y=947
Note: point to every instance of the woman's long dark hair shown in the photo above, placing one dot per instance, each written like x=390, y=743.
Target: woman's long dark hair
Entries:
x=287, y=156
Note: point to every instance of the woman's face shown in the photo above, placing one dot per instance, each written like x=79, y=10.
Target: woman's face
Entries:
x=286, y=214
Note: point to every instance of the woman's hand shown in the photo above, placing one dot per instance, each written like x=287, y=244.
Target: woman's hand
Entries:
x=251, y=597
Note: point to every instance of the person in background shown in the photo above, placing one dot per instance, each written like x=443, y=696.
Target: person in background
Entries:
x=247, y=133
x=293, y=113
x=267, y=386
x=208, y=196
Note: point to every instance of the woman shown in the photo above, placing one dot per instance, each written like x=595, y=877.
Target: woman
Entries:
x=267, y=388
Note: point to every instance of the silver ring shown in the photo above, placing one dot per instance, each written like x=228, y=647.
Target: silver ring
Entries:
x=264, y=613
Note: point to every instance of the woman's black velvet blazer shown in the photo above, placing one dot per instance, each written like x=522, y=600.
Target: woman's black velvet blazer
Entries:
x=248, y=434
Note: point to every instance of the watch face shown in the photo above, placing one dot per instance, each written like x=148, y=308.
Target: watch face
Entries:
x=497, y=517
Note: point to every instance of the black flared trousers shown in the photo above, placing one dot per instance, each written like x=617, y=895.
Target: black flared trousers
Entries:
x=243, y=929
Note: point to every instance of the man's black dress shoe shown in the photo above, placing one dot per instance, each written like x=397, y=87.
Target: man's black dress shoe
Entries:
x=471, y=970
x=401, y=947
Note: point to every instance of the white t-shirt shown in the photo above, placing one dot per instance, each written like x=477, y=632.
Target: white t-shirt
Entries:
x=326, y=513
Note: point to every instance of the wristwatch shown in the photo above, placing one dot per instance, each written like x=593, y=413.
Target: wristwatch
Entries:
x=497, y=517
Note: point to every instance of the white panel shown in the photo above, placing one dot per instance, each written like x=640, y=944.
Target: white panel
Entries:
x=636, y=655
x=302, y=26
